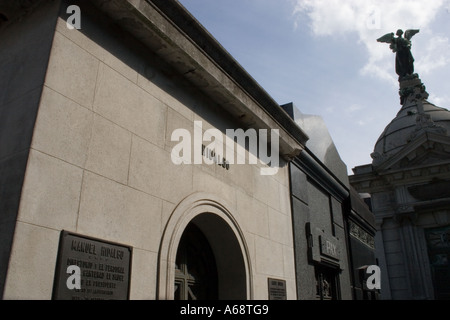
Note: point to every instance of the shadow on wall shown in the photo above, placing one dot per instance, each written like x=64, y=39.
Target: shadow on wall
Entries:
x=24, y=53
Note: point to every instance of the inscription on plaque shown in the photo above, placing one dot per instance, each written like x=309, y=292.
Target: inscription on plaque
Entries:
x=358, y=233
x=104, y=269
x=329, y=247
x=277, y=289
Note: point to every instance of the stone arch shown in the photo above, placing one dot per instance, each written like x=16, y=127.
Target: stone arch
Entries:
x=218, y=223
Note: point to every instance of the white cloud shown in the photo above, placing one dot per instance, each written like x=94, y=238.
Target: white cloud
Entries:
x=441, y=101
x=330, y=109
x=353, y=108
x=435, y=55
x=370, y=19
x=361, y=123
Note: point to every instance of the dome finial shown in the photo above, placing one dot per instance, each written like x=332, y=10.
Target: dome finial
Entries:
x=404, y=61
x=410, y=84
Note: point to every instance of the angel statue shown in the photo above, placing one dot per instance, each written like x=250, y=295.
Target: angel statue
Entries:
x=404, y=61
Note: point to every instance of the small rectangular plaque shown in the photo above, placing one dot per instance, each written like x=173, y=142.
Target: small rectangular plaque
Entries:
x=104, y=269
x=329, y=247
x=277, y=289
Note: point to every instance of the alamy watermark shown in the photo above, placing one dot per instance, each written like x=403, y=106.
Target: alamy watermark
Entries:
x=74, y=20
x=373, y=282
x=74, y=280
x=197, y=150
x=373, y=21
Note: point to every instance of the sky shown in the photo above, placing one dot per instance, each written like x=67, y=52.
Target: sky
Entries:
x=322, y=55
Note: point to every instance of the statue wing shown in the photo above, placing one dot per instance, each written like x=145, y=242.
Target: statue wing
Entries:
x=386, y=38
x=410, y=33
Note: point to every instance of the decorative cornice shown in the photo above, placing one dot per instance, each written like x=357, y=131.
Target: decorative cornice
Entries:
x=189, y=25
x=389, y=179
x=424, y=138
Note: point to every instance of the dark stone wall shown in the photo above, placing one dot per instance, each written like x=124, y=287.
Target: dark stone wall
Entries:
x=314, y=205
x=24, y=54
x=361, y=256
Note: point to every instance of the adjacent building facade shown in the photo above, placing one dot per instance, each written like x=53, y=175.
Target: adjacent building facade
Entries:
x=127, y=158
x=333, y=228
x=409, y=185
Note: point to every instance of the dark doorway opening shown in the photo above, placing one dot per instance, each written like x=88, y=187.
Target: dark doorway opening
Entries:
x=195, y=267
x=438, y=243
x=326, y=283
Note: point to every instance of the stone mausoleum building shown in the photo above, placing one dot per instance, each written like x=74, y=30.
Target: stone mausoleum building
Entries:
x=112, y=182
x=409, y=184
x=326, y=210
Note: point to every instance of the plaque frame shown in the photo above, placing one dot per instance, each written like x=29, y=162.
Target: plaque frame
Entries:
x=274, y=290
x=60, y=272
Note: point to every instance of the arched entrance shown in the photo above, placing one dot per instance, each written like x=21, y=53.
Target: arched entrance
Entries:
x=195, y=267
x=202, y=243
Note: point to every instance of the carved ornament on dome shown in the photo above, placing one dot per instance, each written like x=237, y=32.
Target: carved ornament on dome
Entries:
x=378, y=158
x=424, y=123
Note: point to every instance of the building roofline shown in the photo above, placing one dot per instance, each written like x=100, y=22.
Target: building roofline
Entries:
x=172, y=33
x=178, y=14
x=322, y=175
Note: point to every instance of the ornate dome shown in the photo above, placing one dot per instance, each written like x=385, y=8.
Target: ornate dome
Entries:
x=416, y=116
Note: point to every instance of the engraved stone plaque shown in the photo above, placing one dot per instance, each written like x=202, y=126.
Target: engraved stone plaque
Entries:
x=329, y=247
x=104, y=269
x=277, y=289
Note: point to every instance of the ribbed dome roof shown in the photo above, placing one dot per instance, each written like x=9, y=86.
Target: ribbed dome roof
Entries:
x=416, y=116
x=399, y=131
